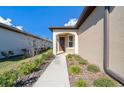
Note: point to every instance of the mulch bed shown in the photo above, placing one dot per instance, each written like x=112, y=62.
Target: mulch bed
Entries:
x=30, y=79
x=87, y=76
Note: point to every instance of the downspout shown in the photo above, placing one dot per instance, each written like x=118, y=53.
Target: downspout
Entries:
x=111, y=73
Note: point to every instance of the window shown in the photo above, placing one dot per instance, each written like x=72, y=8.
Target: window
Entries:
x=70, y=41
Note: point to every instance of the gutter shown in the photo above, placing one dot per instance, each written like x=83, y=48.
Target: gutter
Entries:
x=111, y=73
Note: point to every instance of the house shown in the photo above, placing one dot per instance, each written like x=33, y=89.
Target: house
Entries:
x=98, y=36
x=15, y=40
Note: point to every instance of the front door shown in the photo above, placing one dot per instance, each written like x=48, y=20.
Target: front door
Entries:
x=62, y=44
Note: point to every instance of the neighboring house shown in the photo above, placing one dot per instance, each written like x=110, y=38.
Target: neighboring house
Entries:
x=13, y=39
x=98, y=36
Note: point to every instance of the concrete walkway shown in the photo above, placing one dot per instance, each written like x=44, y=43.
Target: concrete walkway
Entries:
x=56, y=74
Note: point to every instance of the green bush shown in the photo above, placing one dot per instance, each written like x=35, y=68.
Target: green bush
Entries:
x=25, y=69
x=44, y=56
x=80, y=83
x=38, y=62
x=74, y=57
x=77, y=57
x=50, y=54
x=8, y=79
x=74, y=70
x=83, y=62
x=29, y=67
x=93, y=68
x=70, y=57
x=104, y=82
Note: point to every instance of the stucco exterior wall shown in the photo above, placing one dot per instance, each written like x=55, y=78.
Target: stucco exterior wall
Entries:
x=90, y=37
x=62, y=32
x=116, y=40
x=12, y=41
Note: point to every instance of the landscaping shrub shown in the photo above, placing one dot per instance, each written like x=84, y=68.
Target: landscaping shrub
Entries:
x=74, y=70
x=74, y=57
x=70, y=57
x=8, y=79
x=50, y=54
x=77, y=57
x=38, y=62
x=26, y=68
x=93, y=68
x=104, y=82
x=44, y=56
x=80, y=83
x=83, y=62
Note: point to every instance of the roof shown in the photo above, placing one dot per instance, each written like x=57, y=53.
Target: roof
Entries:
x=19, y=31
x=87, y=11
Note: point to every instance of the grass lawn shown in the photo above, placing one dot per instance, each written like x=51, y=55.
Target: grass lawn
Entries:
x=14, y=63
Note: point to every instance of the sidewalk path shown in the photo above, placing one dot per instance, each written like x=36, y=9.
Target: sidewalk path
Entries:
x=56, y=74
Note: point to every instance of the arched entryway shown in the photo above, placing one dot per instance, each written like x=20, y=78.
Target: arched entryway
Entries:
x=65, y=42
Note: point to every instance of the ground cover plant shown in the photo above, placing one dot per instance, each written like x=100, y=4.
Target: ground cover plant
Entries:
x=104, y=82
x=80, y=83
x=74, y=70
x=93, y=68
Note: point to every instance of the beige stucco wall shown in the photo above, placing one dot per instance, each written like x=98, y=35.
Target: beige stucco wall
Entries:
x=57, y=32
x=116, y=40
x=91, y=37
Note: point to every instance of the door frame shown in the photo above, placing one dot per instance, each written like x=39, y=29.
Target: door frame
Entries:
x=59, y=44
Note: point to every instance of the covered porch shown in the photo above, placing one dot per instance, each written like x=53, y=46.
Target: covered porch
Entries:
x=65, y=42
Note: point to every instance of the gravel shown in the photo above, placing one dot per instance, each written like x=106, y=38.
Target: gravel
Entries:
x=87, y=76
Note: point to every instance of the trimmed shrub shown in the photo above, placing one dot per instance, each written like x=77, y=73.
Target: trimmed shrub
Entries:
x=93, y=68
x=83, y=62
x=80, y=83
x=74, y=70
x=104, y=82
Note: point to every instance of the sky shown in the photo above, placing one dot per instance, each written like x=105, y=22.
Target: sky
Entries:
x=37, y=19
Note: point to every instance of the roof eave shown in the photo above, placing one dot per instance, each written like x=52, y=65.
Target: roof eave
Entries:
x=62, y=27
x=87, y=11
x=19, y=31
